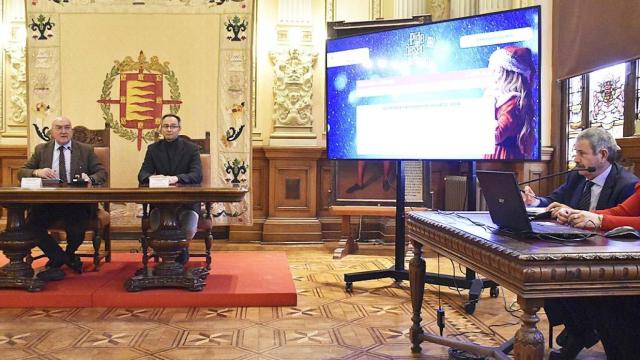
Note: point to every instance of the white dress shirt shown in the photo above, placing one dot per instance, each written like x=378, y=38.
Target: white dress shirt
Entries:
x=67, y=159
x=596, y=189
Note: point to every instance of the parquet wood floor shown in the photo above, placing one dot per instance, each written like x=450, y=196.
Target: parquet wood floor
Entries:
x=328, y=323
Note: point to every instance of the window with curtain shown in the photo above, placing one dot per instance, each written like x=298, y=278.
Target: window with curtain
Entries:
x=597, y=99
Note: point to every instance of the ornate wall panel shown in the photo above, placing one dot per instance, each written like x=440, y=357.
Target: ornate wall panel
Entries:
x=14, y=78
x=126, y=63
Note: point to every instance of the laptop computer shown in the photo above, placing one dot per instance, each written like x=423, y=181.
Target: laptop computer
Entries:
x=508, y=211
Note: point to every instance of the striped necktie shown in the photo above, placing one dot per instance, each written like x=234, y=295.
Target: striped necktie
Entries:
x=62, y=165
x=585, y=198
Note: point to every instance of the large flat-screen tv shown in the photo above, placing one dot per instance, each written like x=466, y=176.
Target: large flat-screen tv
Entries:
x=466, y=89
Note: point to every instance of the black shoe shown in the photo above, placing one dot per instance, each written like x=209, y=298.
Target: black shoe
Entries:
x=353, y=188
x=51, y=274
x=140, y=272
x=75, y=264
x=574, y=344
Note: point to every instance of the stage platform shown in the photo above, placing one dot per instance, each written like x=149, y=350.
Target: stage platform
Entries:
x=238, y=278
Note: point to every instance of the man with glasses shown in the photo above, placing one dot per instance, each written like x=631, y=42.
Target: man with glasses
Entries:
x=61, y=159
x=179, y=160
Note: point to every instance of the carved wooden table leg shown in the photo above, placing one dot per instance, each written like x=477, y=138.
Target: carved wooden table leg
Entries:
x=529, y=341
x=417, y=269
x=167, y=242
x=16, y=244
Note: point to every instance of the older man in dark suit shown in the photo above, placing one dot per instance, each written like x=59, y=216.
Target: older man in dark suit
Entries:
x=609, y=185
x=61, y=158
x=179, y=160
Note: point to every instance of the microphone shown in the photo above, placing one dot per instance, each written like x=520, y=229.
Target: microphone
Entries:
x=589, y=169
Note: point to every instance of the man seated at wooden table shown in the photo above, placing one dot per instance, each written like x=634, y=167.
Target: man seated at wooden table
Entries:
x=607, y=186
x=178, y=159
x=61, y=158
x=616, y=318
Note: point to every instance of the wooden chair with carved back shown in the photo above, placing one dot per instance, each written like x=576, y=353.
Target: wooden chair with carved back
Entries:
x=205, y=220
x=99, y=225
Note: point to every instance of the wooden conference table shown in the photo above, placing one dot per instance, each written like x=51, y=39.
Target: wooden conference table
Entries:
x=167, y=241
x=533, y=269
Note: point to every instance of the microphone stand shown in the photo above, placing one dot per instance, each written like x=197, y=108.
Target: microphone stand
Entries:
x=589, y=169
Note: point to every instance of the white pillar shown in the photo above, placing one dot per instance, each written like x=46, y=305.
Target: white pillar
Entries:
x=294, y=12
x=525, y=3
x=487, y=6
x=403, y=9
x=460, y=8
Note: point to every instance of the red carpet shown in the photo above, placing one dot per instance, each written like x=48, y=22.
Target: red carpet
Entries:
x=238, y=278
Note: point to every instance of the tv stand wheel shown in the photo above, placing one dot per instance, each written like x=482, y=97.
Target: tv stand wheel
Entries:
x=469, y=307
x=348, y=287
x=494, y=292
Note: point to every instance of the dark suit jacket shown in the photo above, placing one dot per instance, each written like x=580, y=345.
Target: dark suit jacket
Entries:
x=83, y=160
x=618, y=186
x=184, y=162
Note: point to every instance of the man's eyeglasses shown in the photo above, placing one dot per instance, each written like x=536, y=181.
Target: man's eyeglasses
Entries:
x=172, y=127
x=60, y=128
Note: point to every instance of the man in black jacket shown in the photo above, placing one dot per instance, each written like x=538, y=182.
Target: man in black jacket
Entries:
x=609, y=185
x=179, y=160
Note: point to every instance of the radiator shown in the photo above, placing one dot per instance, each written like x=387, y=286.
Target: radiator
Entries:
x=455, y=194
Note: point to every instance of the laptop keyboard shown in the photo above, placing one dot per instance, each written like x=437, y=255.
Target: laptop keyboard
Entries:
x=552, y=227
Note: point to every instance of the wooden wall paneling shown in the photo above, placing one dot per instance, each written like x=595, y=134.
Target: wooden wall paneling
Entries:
x=12, y=158
x=630, y=153
x=292, y=183
x=331, y=224
x=293, y=189
x=260, y=184
x=325, y=187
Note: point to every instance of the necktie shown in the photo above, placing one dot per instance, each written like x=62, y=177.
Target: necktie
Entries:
x=62, y=166
x=585, y=198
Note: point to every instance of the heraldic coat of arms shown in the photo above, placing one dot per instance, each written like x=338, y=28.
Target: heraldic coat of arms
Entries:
x=140, y=97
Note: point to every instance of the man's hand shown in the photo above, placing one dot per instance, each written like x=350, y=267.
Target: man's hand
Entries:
x=584, y=219
x=86, y=178
x=561, y=214
x=556, y=208
x=529, y=197
x=45, y=173
x=172, y=179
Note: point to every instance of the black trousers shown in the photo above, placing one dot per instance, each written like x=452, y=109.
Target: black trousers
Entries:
x=616, y=319
x=75, y=218
x=570, y=312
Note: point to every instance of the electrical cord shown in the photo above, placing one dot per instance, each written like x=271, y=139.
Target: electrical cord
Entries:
x=486, y=227
x=440, y=311
x=540, y=236
x=508, y=308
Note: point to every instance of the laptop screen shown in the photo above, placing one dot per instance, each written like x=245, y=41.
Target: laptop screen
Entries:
x=504, y=201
